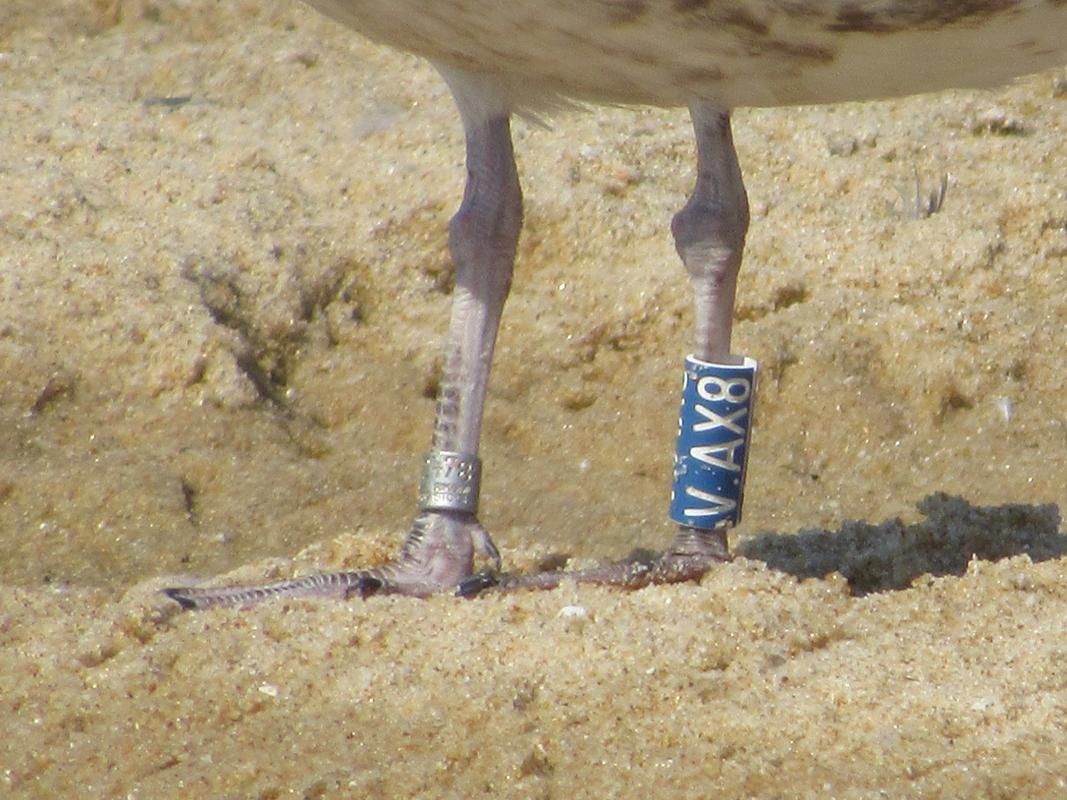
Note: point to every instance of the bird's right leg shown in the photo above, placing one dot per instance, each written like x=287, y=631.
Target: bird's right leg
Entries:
x=439, y=552
x=483, y=236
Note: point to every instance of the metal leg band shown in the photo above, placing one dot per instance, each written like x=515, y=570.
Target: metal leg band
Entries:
x=450, y=482
x=712, y=451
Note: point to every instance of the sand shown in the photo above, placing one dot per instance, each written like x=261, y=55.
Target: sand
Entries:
x=224, y=285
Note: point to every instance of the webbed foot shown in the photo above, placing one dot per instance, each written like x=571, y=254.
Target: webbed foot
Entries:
x=437, y=556
x=692, y=555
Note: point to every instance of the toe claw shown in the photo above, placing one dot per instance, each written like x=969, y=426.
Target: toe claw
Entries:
x=178, y=595
x=476, y=584
x=364, y=587
x=484, y=546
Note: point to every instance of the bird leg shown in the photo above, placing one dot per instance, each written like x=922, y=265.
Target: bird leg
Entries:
x=709, y=233
x=439, y=552
x=483, y=236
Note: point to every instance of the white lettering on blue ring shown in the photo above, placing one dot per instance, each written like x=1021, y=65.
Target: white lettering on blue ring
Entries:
x=712, y=448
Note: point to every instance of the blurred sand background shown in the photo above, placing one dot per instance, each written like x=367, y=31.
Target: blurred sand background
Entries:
x=224, y=285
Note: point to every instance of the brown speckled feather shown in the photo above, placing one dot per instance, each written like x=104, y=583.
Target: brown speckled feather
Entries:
x=730, y=52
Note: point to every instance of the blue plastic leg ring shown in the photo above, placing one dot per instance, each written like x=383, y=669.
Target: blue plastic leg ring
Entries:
x=713, y=431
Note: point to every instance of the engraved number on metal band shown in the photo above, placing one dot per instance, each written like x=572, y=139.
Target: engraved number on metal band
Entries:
x=450, y=482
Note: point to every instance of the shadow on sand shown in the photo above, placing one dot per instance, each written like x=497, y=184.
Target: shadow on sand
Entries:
x=888, y=556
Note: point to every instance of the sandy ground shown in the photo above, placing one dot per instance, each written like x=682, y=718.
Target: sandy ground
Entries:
x=223, y=286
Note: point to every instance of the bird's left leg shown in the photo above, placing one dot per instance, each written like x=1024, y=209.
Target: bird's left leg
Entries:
x=719, y=390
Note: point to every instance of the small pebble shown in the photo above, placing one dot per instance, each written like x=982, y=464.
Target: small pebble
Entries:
x=574, y=617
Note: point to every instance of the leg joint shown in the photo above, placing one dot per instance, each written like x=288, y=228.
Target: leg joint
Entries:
x=484, y=233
